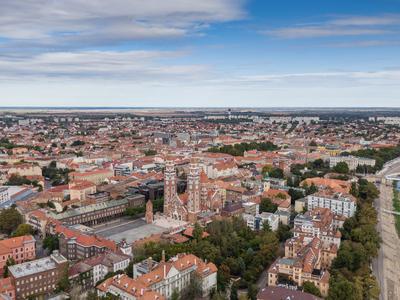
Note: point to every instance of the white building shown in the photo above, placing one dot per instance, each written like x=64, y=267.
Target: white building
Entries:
x=4, y=195
x=161, y=281
x=108, y=262
x=221, y=169
x=256, y=222
x=389, y=120
x=339, y=203
x=352, y=161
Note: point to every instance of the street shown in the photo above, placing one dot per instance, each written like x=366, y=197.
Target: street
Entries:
x=386, y=267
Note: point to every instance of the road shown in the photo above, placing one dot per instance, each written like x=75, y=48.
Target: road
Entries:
x=386, y=267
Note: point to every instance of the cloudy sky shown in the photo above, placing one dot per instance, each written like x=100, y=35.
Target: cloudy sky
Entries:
x=232, y=53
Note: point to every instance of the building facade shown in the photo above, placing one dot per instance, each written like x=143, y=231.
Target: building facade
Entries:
x=339, y=203
x=301, y=263
x=38, y=277
x=4, y=195
x=97, y=213
x=175, y=274
x=20, y=249
x=352, y=161
x=257, y=221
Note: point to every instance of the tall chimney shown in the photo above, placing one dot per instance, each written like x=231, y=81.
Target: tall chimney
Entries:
x=150, y=263
x=163, y=256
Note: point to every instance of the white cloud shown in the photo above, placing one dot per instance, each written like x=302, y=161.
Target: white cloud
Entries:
x=340, y=26
x=135, y=66
x=388, y=19
x=117, y=20
x=321, y=31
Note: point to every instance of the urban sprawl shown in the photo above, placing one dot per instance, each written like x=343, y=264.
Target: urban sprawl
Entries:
x=213, y=204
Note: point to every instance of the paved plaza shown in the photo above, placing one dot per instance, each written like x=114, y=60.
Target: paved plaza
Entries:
x=131, y=230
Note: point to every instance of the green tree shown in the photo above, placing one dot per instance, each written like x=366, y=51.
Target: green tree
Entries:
x=234, y=292
x=266, y=205
x=175, y=295
x=267, y=169
x=223, y=277
x=309, y=287
x=252, y=291
x=51, y=243
x=77, y=143
x=150, y=152
x=9, y=262
x=63, y=284
x=341, y=168
x=283, y=233
x=343, y=289
x=197, y=232
x=193, y=290
x=91, y=295
x=129, y=269
x=23, y=229
x=10, y=218
x=276, y=173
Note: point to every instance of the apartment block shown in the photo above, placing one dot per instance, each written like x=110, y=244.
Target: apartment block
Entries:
x=352, y=161
x=20, y=249
x=341, y=204
x=38, y=277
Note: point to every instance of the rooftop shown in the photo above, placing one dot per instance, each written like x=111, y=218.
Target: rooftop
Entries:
x=88, y=209
x=37, y=266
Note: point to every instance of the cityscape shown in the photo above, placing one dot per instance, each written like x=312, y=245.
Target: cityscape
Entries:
x=199, y=150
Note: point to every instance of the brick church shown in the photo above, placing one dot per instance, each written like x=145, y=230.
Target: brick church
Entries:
x=201, y=195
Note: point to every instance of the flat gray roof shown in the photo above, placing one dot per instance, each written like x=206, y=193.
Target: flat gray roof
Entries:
x=88, y=209
x=36, y=266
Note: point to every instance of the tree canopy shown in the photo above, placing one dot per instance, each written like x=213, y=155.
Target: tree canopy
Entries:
x=23, y=229
x=10, y=218
x=239, y=149
x=351, y=275
x=341, y=168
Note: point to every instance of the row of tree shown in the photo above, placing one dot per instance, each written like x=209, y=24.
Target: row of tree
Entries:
x=351, y=276
x=239, y=149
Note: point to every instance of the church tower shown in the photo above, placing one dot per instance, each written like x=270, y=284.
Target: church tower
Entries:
x=193, y=186
x=169, y=186
x=149, y=212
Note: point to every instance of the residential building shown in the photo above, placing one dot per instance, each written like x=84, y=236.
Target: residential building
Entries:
x=4, y=194
x=38, y=277
x=122, y=170
x=96, y=176
x=352, y=161
x=339, y=203
x=256, y=222
x=163, y=279
x=79, y=190
x=25, y=170
x=75, y=245
x=321, y=223
x=301, y=264
x=96, y=267
x=7, y=289
x=280, y=293
x=98, y=197
x=20, y=249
